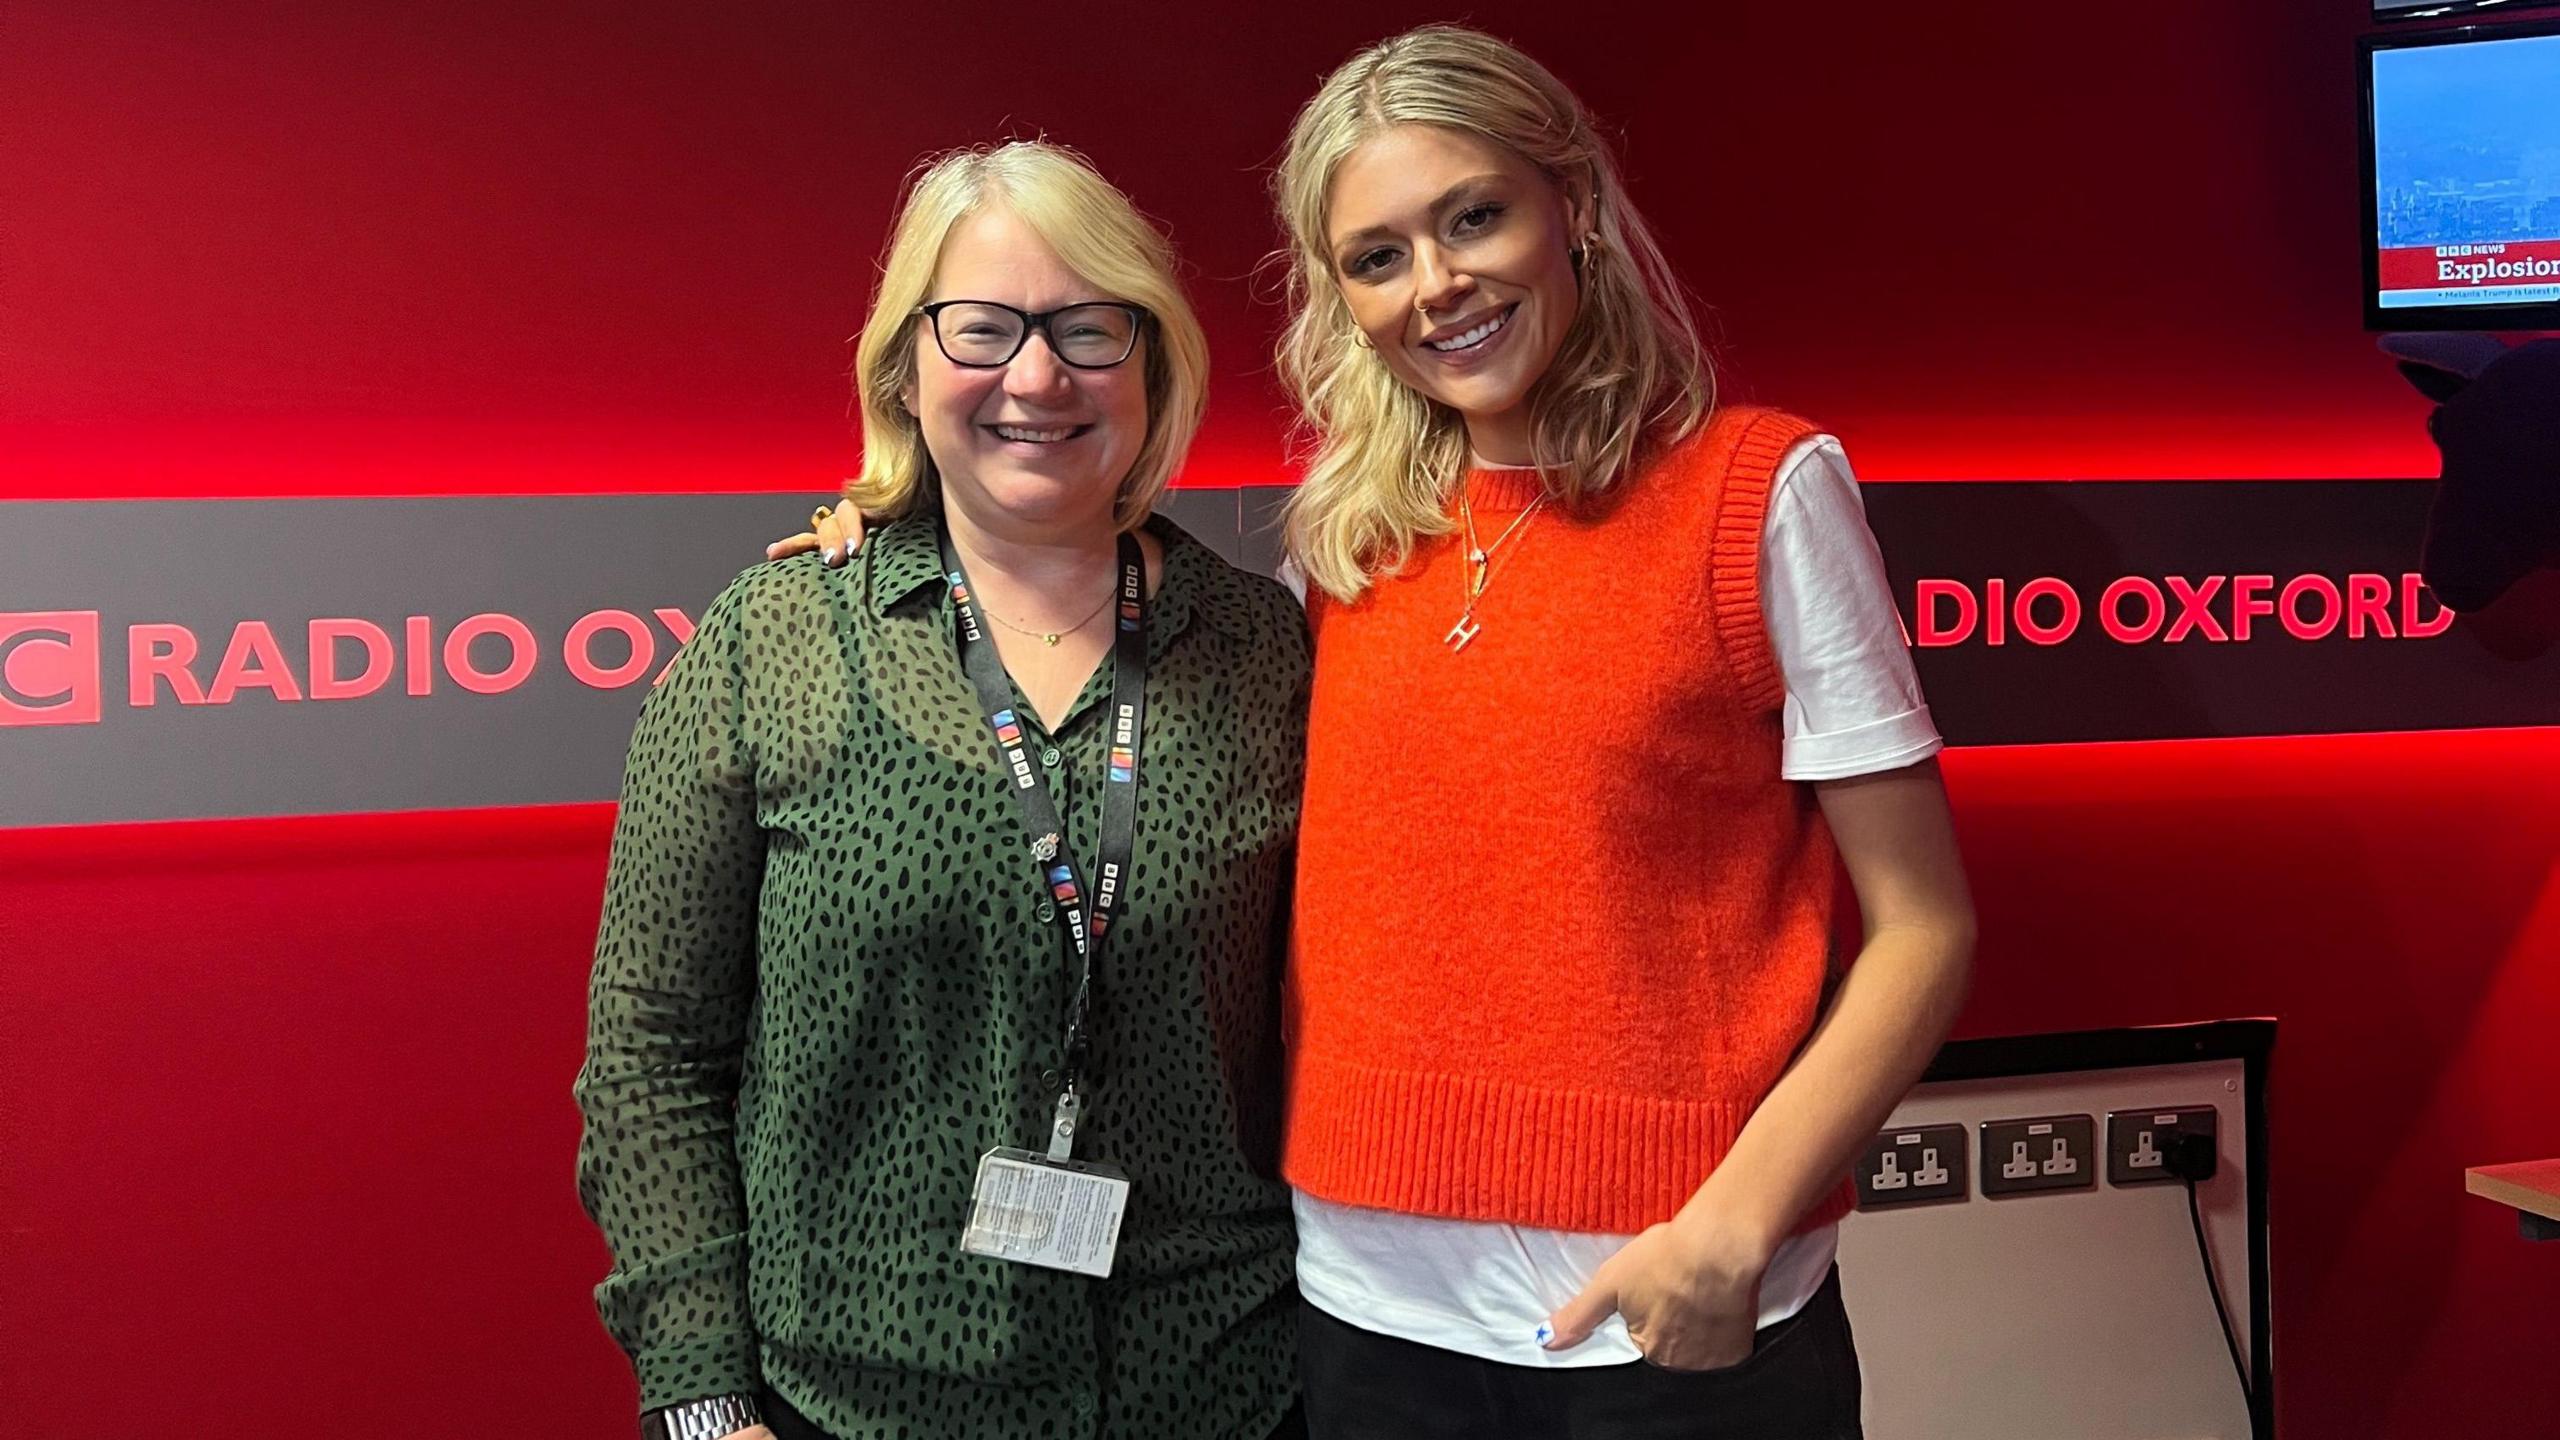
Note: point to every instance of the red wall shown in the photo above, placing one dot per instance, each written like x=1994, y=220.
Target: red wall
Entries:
x=287, y=1101
x=461, y=247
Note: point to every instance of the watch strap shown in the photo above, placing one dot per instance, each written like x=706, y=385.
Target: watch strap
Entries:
x=701, y=1419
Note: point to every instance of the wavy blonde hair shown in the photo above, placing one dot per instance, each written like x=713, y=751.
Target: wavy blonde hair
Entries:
x=1631, y=373
x=1100, y=236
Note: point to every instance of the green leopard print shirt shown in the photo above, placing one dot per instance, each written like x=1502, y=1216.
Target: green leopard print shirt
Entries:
x=828, y=979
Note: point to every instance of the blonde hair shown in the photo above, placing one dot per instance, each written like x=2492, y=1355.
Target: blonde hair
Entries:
x=1631, y=373
x=1100, y=236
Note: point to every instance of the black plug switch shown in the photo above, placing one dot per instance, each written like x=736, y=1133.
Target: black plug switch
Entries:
x=2189, y=1156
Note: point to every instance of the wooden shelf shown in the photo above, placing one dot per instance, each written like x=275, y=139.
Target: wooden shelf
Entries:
x=2532, y=1187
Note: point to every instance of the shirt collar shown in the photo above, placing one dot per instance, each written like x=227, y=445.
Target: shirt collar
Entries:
x=904, y=557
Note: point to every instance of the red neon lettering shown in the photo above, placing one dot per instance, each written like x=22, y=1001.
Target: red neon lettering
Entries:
x=2368, y=602
x=2192, y=614
x=2061, y=629
x=579, y=656
x=680, y=627
x=422, y=654
x=252, y=662
x=457, y=653
x=2413, y=588
x=2111, y=610
x=1995, y=615
x=161, y=652
x=2289, y=605
x=1930, y=593
x=326, y=682
x=2248, y=601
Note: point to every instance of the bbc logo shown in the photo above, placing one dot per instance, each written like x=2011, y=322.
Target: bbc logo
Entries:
x=49, y=667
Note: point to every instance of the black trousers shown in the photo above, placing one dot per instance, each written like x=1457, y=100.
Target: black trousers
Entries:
x=1800, y=1383
x=789, y=1424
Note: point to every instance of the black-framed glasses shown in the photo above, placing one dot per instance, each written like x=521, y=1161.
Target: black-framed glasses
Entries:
x=982, y=334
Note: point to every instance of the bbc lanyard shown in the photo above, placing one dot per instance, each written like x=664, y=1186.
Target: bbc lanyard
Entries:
x=1086, y=928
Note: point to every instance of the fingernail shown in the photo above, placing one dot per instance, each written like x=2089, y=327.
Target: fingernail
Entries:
x=1545, y=1334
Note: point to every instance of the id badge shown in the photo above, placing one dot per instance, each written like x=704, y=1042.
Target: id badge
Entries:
x=1030, y=1209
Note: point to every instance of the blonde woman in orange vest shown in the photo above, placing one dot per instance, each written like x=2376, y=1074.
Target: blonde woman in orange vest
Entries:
x=1607, y=679
x=1607, y=675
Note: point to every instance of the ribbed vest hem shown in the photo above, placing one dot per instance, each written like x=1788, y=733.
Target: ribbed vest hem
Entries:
x=1472, y=1148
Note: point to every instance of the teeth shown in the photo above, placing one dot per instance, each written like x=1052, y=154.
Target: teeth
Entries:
x=1036, y=437
x=1472, y=337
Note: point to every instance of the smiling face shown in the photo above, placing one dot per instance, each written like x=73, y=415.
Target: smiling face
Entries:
x=1455, y=256
x=1034, y=443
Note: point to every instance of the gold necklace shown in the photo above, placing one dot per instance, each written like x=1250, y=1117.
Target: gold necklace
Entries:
x=1479, y=572
x=1051, y=638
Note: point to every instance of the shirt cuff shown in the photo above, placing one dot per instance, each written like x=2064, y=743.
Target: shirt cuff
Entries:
x=1879, y=745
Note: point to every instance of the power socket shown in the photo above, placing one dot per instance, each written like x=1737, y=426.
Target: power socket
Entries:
x=1912, y=1167
x=2050, y=1152
x=2139, y=1143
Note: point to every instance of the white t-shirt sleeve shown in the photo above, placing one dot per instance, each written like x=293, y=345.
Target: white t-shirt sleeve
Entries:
x=1853, y=703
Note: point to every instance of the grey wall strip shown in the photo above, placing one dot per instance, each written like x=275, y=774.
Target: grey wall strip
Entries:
x=494, y=650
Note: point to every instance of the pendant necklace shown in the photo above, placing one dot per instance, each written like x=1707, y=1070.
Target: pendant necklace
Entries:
x=1479, y=567
x=1048, y=637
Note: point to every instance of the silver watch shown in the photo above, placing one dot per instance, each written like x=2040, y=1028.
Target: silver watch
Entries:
x=701, y=1419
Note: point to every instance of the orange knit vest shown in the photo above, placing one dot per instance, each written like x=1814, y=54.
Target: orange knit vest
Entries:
x=1560, y=925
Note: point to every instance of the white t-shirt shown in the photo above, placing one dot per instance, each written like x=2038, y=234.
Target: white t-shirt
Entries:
x=1853, y=707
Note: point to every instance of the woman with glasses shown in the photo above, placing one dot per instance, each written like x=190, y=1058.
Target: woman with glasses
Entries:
x=930, y=1075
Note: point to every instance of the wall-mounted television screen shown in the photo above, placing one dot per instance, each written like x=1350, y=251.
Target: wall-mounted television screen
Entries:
x=2462, y=179
x=2389, y=10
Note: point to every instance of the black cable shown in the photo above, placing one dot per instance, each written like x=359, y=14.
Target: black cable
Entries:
x=2195, y=1212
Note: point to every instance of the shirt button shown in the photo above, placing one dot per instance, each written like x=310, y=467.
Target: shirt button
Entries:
x=1049, y=757
x=1051, y=1078
x=1084, y=1404
x=1048, y=911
